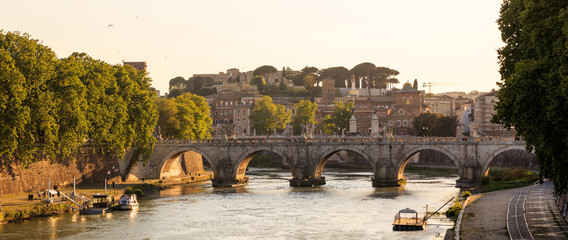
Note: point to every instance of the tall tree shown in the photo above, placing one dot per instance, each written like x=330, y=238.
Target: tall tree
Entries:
x=339, y=74
x=339, y=120
x=267, y=116
x=534, y=81
x=435, y=124
x=194, y=117
x=305, y=114
x=264, y=71
x=365, y=71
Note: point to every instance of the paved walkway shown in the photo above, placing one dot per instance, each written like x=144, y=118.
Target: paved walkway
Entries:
x=516, y=216
x=485, y=217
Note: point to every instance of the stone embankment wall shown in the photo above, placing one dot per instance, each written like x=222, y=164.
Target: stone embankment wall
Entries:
x=88, y=167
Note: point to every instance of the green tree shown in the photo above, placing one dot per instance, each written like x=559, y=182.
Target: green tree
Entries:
x=435, y=124
x=365, y=71
x=264, y=71
x=177, y=83
x=193, y=117
x=533, y=95
x=168, y=123
x=267, y=116
x=339, y=74
x=339, y=120
x=305, y=114
x=14, y=113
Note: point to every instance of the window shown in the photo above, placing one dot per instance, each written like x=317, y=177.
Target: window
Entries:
x=398, y=123
x=405, y=123
x=238, y=111
x=221, y=112
x=293, y=110
x=411, y=123
x=401, y=112
x=226, y=113
x=230, y=111
x=215, y=112
x=244, y=120
x=238, y=120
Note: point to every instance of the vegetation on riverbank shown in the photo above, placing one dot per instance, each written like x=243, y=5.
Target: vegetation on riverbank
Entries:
x=505, y=178
x=42, y=210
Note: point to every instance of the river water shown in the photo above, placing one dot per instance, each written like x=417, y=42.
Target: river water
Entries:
x=347, y=207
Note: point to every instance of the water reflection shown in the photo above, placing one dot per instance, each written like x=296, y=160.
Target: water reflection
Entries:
x=347, y=207
x=388, y=193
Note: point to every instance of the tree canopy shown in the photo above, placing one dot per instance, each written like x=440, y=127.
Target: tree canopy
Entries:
x=534, y=81
x=198, y=85
x=51, y=106
x=267, y=116
x=435, y=124
x=184, y=117
x=305, y=114
x=339, y=120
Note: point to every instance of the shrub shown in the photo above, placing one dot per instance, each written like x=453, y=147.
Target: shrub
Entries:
x=453, y=211
x=466, y=194
x=485, y=180
x=139, y=192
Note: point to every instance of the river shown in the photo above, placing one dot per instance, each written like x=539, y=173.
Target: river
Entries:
x=347, y=207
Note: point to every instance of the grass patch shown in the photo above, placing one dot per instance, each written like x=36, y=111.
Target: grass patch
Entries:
x=505, y=178
x=430, y=171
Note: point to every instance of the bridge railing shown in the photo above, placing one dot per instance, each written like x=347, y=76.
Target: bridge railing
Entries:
x=337, y=139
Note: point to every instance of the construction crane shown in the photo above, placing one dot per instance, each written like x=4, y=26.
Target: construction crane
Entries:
x=430, y=84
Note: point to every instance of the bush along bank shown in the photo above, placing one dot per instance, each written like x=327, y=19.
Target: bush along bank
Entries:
x=505, y=178
x=42, y=210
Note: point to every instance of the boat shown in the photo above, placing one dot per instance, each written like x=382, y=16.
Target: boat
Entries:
x=127, y=202
x=102, y=203
x=407, y=220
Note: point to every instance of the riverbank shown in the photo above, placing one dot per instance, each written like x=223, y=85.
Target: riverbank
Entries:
x=17, y=207
x=485, y=217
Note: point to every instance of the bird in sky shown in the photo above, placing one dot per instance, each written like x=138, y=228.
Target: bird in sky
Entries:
x=110, y=25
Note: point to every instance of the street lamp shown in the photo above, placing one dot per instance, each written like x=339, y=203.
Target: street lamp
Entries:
x=425, y=130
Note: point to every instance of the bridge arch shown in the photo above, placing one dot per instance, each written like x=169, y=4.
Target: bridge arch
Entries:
x=411, y=152
x=168, y=158
x=322, y=158
x=244, y=159
x=485, y=169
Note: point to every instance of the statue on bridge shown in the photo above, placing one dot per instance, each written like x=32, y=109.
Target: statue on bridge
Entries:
x=220, y=131
x=288, y=131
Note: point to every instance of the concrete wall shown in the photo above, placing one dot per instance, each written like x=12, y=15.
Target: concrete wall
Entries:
x=89, y=167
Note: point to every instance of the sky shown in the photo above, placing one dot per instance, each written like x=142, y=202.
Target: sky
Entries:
x=453, y=42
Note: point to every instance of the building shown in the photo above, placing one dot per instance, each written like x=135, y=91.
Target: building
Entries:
x=444, y=105
x=409, y=103
x=328, y=91
x=233, y=108
x=139, y=66
x=483, y=109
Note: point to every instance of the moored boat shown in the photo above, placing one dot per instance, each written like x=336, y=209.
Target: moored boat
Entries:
x=102, y=203
x=127, y=202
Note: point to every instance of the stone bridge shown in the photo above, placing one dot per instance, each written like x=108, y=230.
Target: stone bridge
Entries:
x=307, y=157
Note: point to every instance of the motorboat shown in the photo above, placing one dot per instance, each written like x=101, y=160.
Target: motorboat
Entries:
x=127, y=202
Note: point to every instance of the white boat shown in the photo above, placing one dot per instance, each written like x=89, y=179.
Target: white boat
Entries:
x=127, y=202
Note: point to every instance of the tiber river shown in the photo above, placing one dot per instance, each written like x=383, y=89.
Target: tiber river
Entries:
x=347, y=207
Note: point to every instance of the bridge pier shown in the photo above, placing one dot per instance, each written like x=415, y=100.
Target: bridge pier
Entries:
x=224, y=176
x=470, y=175
x=307, y=182
x=388, y=177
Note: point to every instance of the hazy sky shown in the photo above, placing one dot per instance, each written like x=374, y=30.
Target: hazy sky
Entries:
x=432, y=41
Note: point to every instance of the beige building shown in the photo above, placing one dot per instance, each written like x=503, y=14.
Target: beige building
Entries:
x=444, y=105
x=483, y=110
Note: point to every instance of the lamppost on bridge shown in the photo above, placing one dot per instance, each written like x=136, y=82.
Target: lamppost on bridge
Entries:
x=425, y=131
